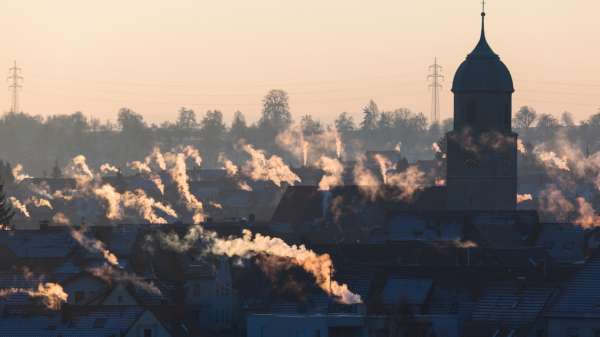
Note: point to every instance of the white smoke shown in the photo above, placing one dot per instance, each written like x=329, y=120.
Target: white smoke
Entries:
x=18, y=175
x=17, y=205
x=333, y=173
x=272, y=169
x=107, y=168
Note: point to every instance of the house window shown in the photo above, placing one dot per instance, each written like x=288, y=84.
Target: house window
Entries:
x=471, y=113
x=119, y=299
x=454, y=308
x=223, y=316
x=99, y=323
x=79, y=296
x=217, y=290
x=217, y=316
x=197, y=289
x=568, y=245
x=227, y=289
x=147, y=332
x=573, y=332
x=548, y=244
x=227, y=316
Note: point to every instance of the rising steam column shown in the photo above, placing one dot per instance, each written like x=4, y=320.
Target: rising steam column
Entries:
x=482, y=148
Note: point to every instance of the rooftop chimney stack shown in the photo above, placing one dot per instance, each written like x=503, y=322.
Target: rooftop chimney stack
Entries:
x=251, y=217
x=44, y=226
x=64, y=311
x=520, y=284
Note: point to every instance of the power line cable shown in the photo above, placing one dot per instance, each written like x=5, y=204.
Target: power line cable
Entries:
x=228, y=86
x=226, y=95
x=225, y=73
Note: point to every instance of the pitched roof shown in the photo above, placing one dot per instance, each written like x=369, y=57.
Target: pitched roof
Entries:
x=41, y=321
x=179, y=321
x=414, y=291
x=305, y=203
x=502, y=308
x=557, y=239
x=33, y=243
x=499, y=236
x=521, y=257
x=581, y=297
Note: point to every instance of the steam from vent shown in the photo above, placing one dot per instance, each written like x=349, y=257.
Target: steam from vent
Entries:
x=51, y=294
x=551, y=159
x=232, y=171
x=553, y=201
x=17, y=205
x=18, y=175
x=107, y=168
x=155, y=157
x=333, y=173
x=180, y=178
x=94, y=246
x=156, y=179
x=229, y=167
x=246, y=247
x=398, y=147
x=79, y=170
x=60, y=218
x=384, y=166
x=365, y=179
x=523, y=197
x=304, y=147
x=464, y=244
x=272, y=169
x=520, y=147
x=106, y=272
x=410, y=181
x=37, y=202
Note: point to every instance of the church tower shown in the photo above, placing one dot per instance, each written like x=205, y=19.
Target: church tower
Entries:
x=482, y=149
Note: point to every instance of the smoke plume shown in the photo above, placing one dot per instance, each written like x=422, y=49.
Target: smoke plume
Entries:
x=523, y=197
x=18, y=175
x=333, y=173
x=272, y=169
x=51, y=294
x=246, y=247
x=17, y=205
x=107, y=168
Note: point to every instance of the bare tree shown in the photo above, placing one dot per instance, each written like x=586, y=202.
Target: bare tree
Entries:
x=525, y=118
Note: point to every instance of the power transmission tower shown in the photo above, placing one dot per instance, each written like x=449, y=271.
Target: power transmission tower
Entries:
x=435, y=100
x=15, y=87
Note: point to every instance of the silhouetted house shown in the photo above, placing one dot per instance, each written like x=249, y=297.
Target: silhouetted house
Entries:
x=564, y=242
x=515, y=257
x=576, y=311
x=306, y=203
x=512, y=308
x=96, y=321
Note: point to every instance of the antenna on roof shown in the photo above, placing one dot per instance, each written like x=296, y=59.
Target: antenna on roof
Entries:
x=483, y=6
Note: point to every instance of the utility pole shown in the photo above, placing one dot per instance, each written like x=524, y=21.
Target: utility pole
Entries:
x=435, y=100
x=15, y=87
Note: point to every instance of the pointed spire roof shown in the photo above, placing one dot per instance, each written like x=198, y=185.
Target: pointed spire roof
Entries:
x=482, y=49
x=482, y=70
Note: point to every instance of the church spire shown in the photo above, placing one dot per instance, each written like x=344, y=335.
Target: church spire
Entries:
x=482, y=49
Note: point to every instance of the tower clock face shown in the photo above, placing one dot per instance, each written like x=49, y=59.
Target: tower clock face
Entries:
x=470, y=159
x=506, y=159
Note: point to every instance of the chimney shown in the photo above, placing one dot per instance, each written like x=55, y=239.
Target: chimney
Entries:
x=251, y=217
x=520, y=284
x=209, y=220
x=44, y=226
x=542, y=263
x=64, y=311
x=242, y=226
x=303, y=240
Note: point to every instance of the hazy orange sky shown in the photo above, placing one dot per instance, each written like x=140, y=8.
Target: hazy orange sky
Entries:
x=330, y=56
